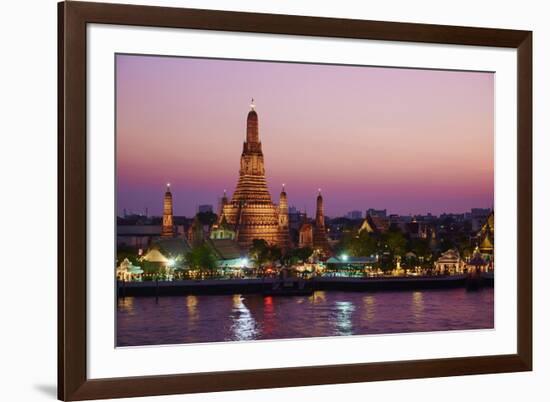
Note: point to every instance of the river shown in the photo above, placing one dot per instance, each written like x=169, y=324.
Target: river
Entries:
x=207, y=318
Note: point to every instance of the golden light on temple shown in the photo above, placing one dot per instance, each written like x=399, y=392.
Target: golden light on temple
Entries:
x=251, y=212
x=167, y=214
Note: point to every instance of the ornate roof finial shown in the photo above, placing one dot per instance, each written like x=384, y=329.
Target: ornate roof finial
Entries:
x=318, y=191
x=283, y=190
x=252, y=105
x=167, y=186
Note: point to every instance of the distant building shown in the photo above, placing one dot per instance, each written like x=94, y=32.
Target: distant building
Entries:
x=478, y=217
x=380, y=213
x=354, y=215
x=417, y=229
x=141, y=236
x=295, y=218
x=205, y=208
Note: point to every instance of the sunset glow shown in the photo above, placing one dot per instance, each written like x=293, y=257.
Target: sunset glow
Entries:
x=411, y=141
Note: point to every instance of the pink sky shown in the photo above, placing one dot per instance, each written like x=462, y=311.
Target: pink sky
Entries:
x=412, y=141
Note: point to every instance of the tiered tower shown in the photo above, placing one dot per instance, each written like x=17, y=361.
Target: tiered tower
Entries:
x=167, y=215
x=283, y=219
x=251, y=211
x=305, y=237
x=320, y=240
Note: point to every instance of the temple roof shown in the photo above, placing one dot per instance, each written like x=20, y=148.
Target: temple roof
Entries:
x=375, y=224
x=486, y=244
x=366, y=226
x=174, y=247
x=225, y=249
x=449, y=255
x=154, y=255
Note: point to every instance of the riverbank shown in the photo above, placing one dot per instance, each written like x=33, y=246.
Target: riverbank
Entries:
x=250, y=286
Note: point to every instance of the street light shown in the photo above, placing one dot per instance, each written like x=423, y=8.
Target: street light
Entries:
x=344, y=257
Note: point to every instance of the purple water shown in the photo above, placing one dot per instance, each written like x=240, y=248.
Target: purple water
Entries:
x=191, y=319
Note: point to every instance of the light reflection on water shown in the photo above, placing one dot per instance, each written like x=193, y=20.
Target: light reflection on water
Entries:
x=191, y=319
x=244, y=326
x=417, y=305
x=369, y=303
x=343, y=322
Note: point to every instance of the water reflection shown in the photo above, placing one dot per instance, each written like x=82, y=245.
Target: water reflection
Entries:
x=344, y=310
x=369, y=307
x=126, y=304
x=215, y=318
x=192, y=310
x=244, y=326
x=318, y=297
x=269, y=323
x=417, y=305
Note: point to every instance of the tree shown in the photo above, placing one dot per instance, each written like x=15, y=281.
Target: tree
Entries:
x=360, y=244
x=275, y=254
x=446, y=244
x=123, y=251
x=259, y=251
x=302, y=254
x=262, y=252
x=396, y=242
x=207, y=218
x=202, y=258
x=421, y=247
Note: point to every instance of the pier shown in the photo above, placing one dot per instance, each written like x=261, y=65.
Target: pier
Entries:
x=261, y=285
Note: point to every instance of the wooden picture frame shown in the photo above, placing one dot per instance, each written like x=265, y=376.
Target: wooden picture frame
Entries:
x=73, y=383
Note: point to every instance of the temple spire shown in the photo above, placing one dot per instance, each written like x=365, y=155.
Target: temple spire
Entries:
x=252, y=134
x=320, y=240
x=319, y=213
x=283, y=219
x=167, y=214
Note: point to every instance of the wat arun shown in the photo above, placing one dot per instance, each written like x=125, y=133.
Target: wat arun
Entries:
x=251, y=212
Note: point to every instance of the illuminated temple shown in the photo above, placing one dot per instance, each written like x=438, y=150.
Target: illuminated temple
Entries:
x=250, y=213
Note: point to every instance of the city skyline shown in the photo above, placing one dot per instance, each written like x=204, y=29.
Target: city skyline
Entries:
x=311, y=215
x=410, y=141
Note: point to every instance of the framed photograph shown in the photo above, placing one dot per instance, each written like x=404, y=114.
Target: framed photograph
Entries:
x=253, y=201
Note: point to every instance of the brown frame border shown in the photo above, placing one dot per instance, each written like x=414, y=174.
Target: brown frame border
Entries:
x=73, y=383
